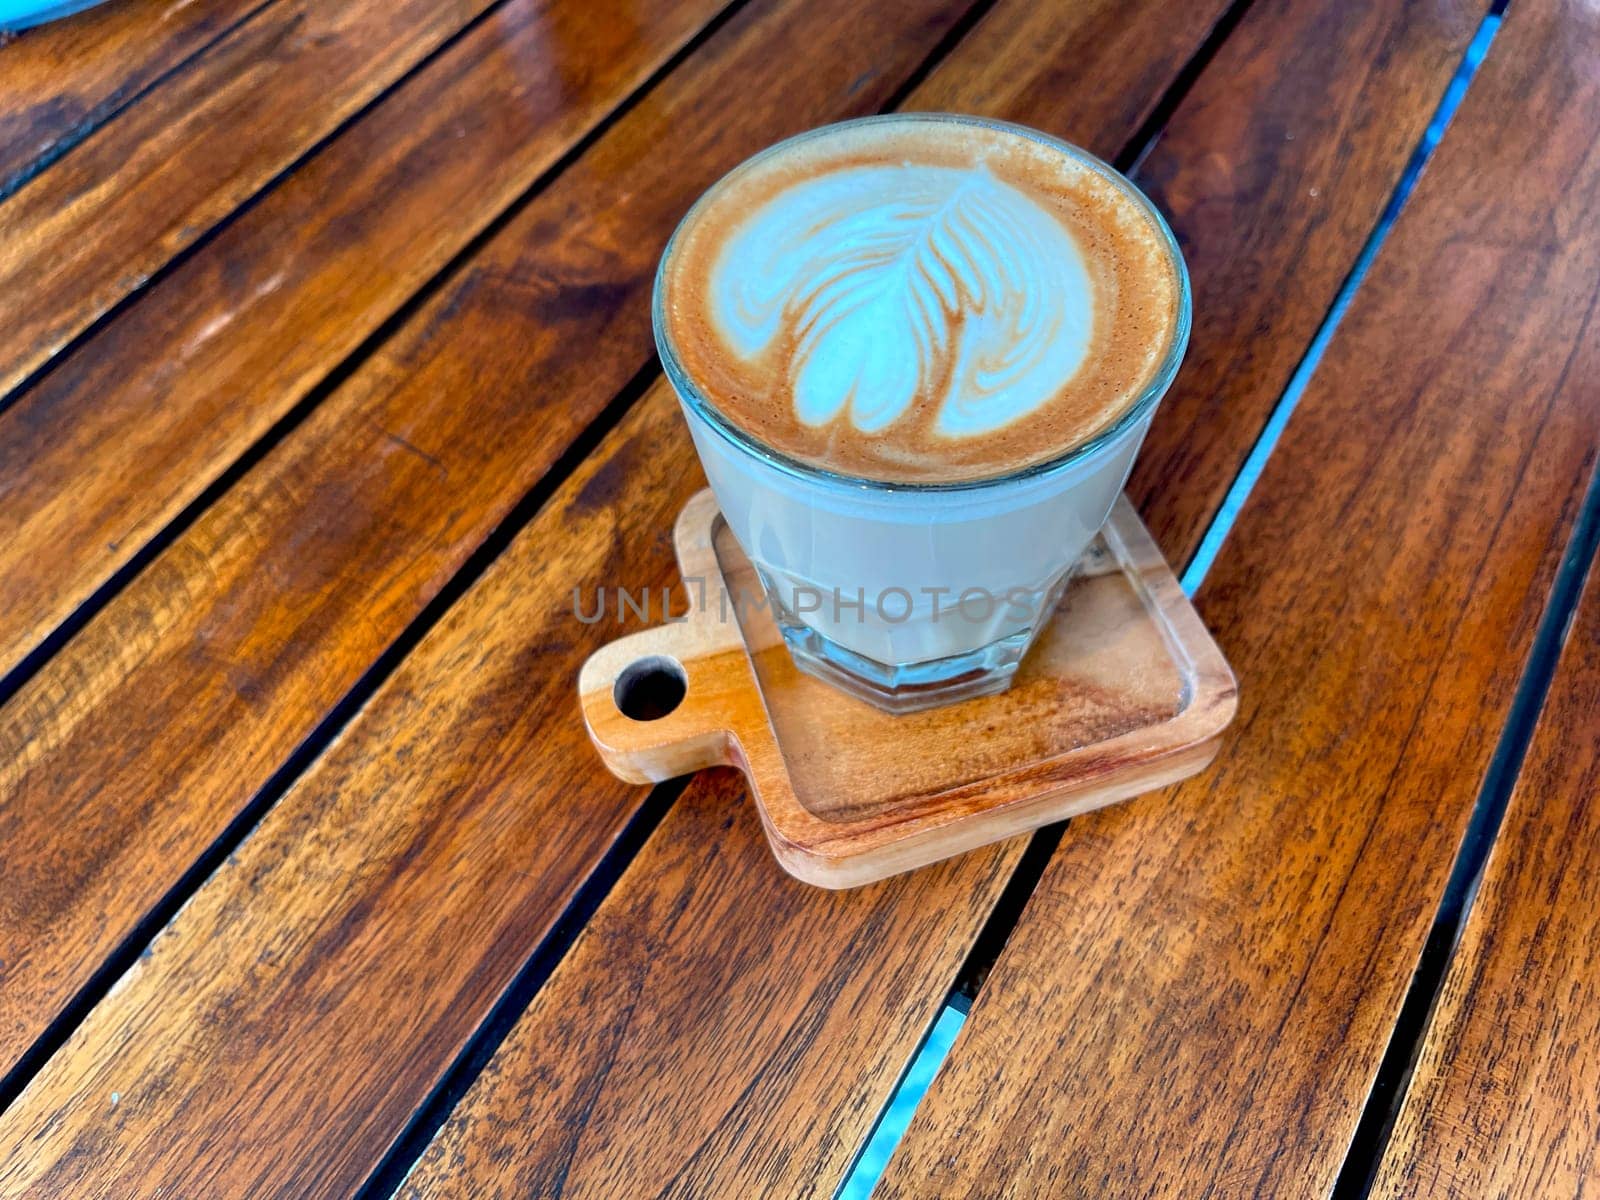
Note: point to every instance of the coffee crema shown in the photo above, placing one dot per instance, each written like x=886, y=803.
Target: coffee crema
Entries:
x=920, y=300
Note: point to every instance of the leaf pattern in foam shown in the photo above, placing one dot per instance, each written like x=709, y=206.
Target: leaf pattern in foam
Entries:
x=887, y=283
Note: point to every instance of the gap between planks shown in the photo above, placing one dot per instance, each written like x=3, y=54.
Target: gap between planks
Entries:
x=1376, y=1126
x=103, y=114
x=1378, y=1114
x=13, y=681
x=95, y=325
x=13, y=1082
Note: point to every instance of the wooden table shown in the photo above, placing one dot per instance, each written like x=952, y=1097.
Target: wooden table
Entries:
x=327, y=376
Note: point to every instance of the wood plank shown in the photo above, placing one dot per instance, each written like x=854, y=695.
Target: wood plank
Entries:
x=1091, y=73
x=394, y=893
x=89, y=231
x=1505, y=1101
x=64, y=79
x=1199, y=992
x=629, y=499
x=127, y=431
x=277, y=1035
x=1311, y=112
x=694, y=1045
x=134, y=748
x=632, y=1096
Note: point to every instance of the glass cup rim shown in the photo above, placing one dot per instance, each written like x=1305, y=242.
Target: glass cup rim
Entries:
x=696, y=399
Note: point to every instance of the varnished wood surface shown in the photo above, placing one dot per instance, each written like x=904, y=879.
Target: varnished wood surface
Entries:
x=1505, y=1101
x=673, y=1148
x=208, y=1106
x=278, y=1033
x=286, y=1024
x=133, y=749
x=94, y=227
x=491, y=332
x=391, y=895
x=690, y=1047
x=1199, y=991
x=139, y=420
x=62, y=80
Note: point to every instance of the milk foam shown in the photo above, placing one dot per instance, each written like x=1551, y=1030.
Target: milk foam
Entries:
x=921, y=299
x=892, y=282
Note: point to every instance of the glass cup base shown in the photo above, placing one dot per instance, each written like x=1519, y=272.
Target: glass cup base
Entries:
x=906, y=687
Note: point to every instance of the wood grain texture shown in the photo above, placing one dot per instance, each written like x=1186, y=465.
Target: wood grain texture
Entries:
x=92, y=229
x=348, y=1017
x=1198, y=994
x=719, y=1029
x=1309, y=113
x=627, y=1132
x=137, y=745
x=390, y=896
x=63, y=79
x=852, y=1123
x=153, y=407
x=1272, y=173
x=1505, y=1101
x=1090, y=72
x=277, y=1035
x=236, y=642
x=1123, y=692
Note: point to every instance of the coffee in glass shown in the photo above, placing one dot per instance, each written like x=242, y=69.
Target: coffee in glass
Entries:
x=917, y=355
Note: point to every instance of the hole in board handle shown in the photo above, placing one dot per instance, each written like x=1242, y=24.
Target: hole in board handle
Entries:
x=650, y=688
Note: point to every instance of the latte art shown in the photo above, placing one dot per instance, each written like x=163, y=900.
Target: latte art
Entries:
x=887, y=283
x=920, y=299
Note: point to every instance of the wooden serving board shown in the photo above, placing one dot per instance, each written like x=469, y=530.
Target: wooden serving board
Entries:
x=1124, y=692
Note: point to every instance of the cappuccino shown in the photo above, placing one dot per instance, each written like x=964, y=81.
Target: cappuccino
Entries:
x=920, y=301
x=917, y=355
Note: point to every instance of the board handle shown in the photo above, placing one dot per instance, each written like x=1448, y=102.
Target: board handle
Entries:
x=653, y=707
x=666, y=701
x=670, y=700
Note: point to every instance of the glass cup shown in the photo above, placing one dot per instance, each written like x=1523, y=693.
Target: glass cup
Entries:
x=909, y=595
